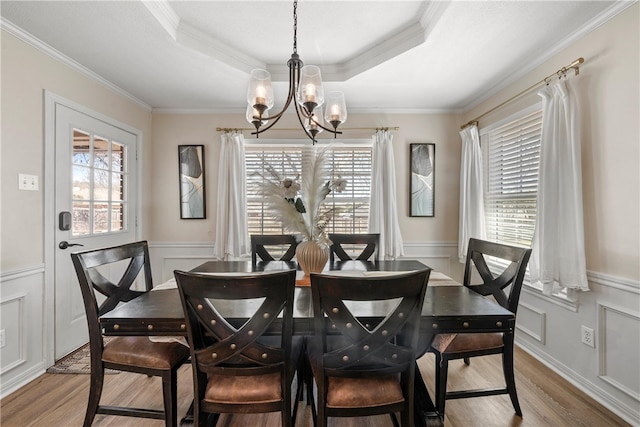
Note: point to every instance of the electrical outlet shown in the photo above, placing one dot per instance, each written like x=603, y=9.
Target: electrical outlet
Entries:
x=588, y=337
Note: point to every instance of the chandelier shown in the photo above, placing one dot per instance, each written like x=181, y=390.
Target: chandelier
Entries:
x=305, y=83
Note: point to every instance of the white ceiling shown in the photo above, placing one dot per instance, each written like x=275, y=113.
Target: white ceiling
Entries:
x=405, y=56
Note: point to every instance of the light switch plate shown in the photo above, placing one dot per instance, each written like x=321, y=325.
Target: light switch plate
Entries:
x=27, y=182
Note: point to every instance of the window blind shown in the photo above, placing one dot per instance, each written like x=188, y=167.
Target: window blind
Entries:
x=350, y=162
x=512, y=153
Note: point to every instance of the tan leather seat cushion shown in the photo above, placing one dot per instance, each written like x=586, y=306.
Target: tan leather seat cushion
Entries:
x=140, y=351
x=363, y=392
x=243, y=389
x=455, y=343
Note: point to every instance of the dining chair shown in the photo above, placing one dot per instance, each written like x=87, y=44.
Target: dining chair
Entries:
x=365, y=366
x=341, y=242
x=260, y=244
x=138, y=354
x=508, y=266
x=242, y=366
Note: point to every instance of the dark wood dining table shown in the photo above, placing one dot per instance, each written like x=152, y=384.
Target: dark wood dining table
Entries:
x=448, y=308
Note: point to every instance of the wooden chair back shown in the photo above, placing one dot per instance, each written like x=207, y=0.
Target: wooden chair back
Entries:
x=514, y=262
x=370, y=241
x=222, y=347
x=261, y=242
x=92, y=279
x=376, y=348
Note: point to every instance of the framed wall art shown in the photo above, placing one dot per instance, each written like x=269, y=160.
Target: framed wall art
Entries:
x=423, y=161
x=192, y=183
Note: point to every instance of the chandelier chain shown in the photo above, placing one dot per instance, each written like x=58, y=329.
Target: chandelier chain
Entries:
x=295, y=26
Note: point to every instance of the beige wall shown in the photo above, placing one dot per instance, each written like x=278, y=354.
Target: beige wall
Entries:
x=26, y=74
x=171, y=130
x=608, y=95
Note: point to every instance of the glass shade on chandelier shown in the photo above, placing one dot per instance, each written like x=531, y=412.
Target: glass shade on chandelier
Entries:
x=253, y=115
x=305, y=84
x=314, y=123
x=310, y=92
x=336, y=109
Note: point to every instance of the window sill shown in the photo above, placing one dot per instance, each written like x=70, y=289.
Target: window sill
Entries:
x=561, y=301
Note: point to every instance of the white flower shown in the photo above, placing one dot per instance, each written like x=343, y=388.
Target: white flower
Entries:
x=339, y=185
x=291, y=188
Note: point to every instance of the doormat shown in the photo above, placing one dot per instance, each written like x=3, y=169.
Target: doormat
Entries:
x=78, y=362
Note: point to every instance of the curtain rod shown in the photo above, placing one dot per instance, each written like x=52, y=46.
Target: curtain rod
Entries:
x=288, y=129
x=561, y=72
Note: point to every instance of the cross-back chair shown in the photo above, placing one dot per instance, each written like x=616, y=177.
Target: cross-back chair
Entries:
x=124, y=353
x=370, y=241
x=261, y=242
x=365, y=366
x=447, y=347
x=241, y=366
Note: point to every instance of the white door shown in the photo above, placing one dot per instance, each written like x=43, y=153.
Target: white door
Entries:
x=95, y=206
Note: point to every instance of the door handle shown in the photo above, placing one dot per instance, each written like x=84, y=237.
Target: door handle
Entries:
x=64, y=244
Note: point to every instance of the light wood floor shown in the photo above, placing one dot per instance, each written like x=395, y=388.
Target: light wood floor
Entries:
x=546, y=400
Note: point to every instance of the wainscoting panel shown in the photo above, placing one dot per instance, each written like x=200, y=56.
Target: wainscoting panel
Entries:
x=168, y=256
x=12, y=312
x=531, y=321
x=22, y=311
x=619, y=335
x=440, y=256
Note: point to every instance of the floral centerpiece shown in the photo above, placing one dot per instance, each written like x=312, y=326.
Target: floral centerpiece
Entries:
x=298, y=202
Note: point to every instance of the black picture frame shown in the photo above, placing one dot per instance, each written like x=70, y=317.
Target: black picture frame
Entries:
x=193, y=201
x=422, y=180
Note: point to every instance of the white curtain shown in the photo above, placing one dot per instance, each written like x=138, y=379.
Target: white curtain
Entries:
x=471, y=216
x=557, y=259
x=232, y=237
x=383, y=208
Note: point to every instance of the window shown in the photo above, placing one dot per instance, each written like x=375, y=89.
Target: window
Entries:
x=99, y=184
x=512, y=152
x=351, y=161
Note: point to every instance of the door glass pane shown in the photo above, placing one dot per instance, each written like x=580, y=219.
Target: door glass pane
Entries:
x=81, y=183
x=100, y=218
x=100, y=185
x=117, y=217
x=81, y=147
x=117, y=157
x=100, y=153
x=117, y=187
x=80, y=219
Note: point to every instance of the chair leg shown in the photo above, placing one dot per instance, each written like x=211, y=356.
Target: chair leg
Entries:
x=467, y=361
x=394, y=419
x=170, y=397
x=95, y=391
x=299, y=392
x=509, y=377
x=442, y=369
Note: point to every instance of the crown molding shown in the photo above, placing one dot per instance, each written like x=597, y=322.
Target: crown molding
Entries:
x=29, y=39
